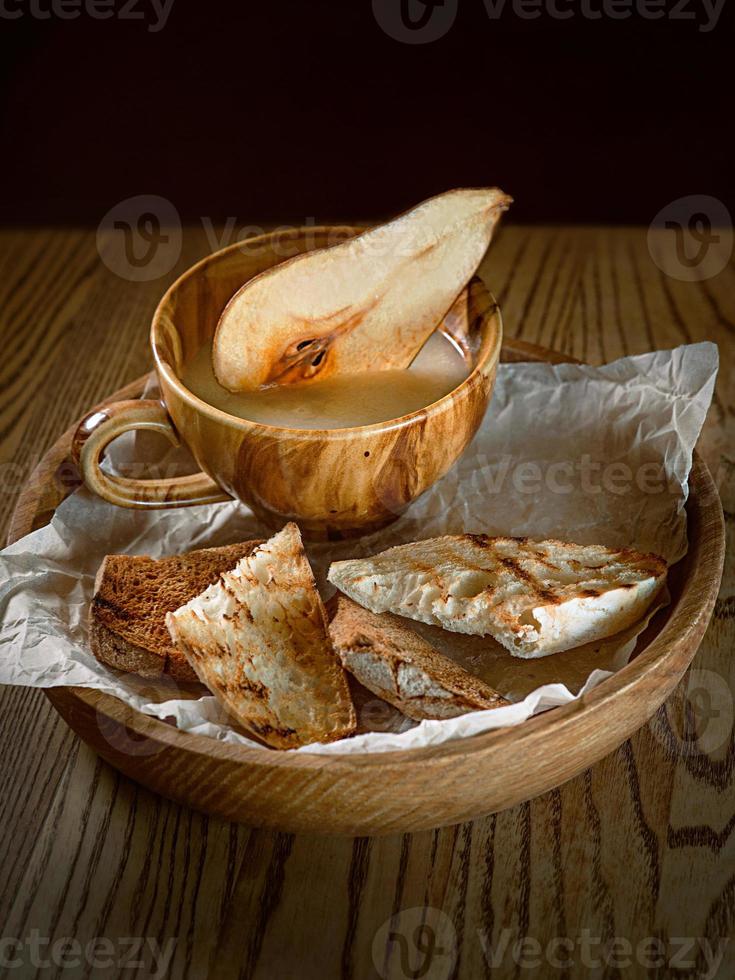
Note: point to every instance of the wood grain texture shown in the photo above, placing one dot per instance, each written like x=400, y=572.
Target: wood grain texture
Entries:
x=350, y=480
x=400, y=791
x=641, y=845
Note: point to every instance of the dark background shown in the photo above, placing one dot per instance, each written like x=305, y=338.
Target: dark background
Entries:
x=297, y=109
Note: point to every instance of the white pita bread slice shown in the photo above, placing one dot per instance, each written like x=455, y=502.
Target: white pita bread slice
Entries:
x=394, y=662
x=258, y=639
x=534, y=597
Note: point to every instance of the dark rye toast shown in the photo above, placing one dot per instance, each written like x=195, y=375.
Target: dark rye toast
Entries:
x=534, y=597
x=127, y=622
x=390, y=659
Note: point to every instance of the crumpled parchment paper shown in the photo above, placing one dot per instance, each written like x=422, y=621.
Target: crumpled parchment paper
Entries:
x=581, y=453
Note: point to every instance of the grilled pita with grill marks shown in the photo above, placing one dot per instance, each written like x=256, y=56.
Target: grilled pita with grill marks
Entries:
x=534, y=597
x=399, y=666
x=258, y=639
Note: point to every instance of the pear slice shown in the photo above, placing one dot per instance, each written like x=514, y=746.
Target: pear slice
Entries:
x=368, y=303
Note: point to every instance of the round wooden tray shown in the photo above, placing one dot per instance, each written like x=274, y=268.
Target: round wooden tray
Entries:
x=415, y=789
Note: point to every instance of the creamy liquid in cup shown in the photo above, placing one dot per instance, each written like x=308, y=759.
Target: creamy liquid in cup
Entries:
x=338, y=402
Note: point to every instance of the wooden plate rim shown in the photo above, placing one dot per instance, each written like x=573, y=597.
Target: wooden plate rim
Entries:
x=682, y=630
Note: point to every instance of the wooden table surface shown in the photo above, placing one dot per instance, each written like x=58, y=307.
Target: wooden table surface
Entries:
x=628, y=869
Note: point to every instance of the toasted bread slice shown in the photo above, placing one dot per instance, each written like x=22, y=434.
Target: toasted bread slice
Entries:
x=534, y=597
x=258, y=639
x=394, y=662
x=132, y=594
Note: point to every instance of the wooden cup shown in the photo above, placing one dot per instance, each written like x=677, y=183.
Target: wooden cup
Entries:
x=334, y=483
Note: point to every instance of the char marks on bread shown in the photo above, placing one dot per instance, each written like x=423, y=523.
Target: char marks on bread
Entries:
x=258, y=639
x=534, y=597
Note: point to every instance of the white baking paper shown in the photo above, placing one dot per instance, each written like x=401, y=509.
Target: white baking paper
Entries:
x=581, y=453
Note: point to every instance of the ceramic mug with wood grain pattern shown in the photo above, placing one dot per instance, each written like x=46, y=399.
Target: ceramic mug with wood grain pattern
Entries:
x=333, y=480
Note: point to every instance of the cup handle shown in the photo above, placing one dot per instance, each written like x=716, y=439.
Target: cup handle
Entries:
x=99, y=428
